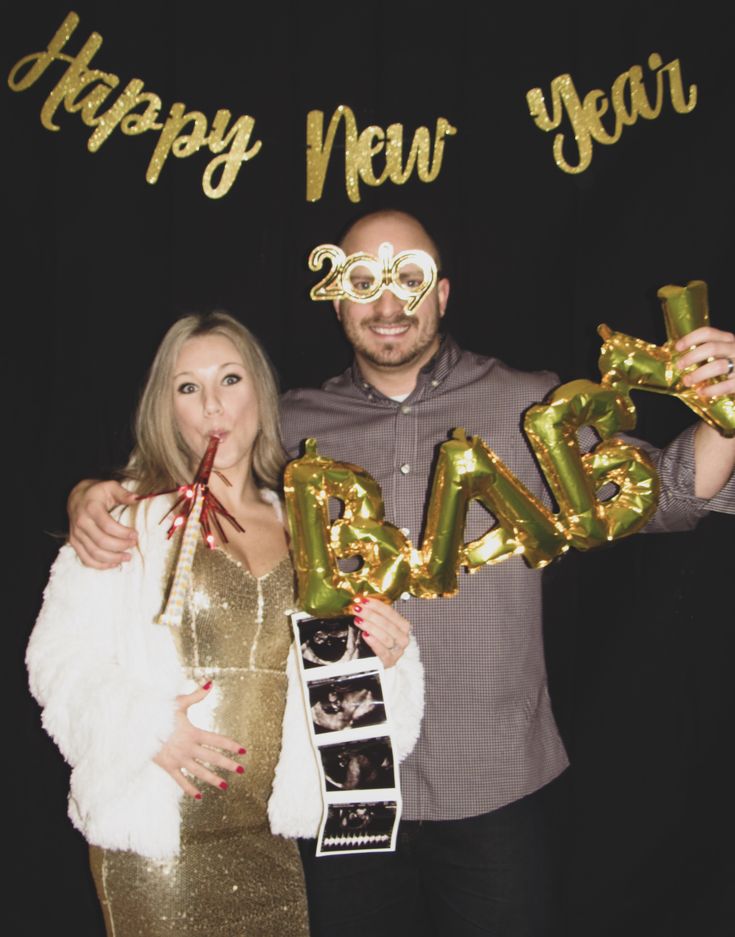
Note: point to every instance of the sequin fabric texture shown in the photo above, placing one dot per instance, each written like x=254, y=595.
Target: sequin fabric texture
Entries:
x=232, y=877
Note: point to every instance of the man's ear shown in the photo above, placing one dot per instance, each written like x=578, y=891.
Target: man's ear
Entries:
x=442, y=292
x=335, y=303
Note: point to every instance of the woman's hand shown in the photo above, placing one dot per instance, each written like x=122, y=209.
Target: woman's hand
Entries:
x=384, y=629
x=188, y=748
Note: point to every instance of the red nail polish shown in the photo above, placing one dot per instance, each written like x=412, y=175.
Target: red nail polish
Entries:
x=356, y=609
x=242, y=751
x=223, y=785
x=197, y=797
x=366, y=634
x=358, y=621
x=207, y=685
x=240, y=769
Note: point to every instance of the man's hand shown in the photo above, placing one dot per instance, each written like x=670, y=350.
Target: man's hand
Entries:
x=714, y=455
x=99, y=541
x=698, y=347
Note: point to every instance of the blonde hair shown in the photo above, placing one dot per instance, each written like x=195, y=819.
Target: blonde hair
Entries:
x=160, y=458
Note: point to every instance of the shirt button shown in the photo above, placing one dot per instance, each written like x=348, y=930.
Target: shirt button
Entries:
x=405, y=408
x=405, y=531
x=405, y=596
x=405, y=468
x=435, y=383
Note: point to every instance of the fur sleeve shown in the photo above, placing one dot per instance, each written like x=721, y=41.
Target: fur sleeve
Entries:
x=404, y=688
x=103, y=711
x=295, y=806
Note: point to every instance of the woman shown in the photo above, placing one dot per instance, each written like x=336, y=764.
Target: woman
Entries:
x=146, y=714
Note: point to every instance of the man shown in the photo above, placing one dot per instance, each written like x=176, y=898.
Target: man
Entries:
x=472, y=857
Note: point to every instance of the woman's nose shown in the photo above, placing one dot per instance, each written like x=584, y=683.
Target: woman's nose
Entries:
x=212, y=404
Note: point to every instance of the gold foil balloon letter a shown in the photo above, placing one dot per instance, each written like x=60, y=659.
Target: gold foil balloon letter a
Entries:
x=362, y=277
x=468, y=470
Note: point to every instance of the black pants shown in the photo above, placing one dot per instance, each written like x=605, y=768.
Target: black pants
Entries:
x=487, y=875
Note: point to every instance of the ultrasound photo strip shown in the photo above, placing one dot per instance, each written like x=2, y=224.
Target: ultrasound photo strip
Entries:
x=350, y=729
x=365, y=764
x=359, y=827
x=326, y=642
x=349, y=701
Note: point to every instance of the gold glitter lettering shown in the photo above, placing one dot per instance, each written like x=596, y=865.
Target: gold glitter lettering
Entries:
x=596, y=106
x=319, y=149
x=76, y=77
x=681, y=106
x=40, y=61
x=239, y=137
x=629, y=100
x=371, y=142
x=360, y=149
x=173, y=141
x=394, y=155
x=90, y=103
x=422, y=147
x=133, y=124
x=640, y=96
x=122, y=113
x=564, y=97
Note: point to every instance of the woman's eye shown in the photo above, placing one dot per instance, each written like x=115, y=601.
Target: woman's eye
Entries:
x=232, y=379
x=187, y=388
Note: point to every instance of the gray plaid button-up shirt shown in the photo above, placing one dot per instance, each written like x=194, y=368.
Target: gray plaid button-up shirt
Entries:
x=488, y=735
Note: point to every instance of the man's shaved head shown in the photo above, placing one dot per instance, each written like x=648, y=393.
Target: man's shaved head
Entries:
x=355, y=236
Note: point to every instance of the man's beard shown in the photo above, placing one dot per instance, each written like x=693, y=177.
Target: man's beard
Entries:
x=389, y=354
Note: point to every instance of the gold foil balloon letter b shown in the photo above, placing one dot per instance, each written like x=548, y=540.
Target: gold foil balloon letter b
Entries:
x=361, y=532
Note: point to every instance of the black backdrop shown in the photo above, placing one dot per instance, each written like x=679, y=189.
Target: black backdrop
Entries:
x=639, y=637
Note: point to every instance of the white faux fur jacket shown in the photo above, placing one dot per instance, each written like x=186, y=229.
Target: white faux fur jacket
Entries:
x=107, y=677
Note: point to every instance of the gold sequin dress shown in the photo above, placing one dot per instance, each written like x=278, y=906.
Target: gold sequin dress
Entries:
x=232, y=878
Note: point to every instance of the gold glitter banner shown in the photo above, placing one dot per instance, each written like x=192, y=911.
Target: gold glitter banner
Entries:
x=84, y=90
x=627, y=101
